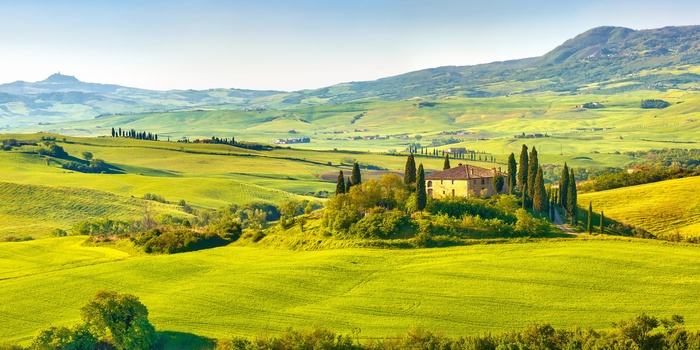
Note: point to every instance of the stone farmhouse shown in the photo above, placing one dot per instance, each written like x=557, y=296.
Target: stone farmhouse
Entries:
x=463, y=181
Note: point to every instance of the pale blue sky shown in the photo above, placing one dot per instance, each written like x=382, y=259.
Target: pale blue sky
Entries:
x=291, y=45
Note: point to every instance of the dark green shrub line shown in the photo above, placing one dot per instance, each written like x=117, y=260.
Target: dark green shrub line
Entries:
x=642, y=332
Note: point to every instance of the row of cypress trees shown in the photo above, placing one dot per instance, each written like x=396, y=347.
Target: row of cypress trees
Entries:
x=343, y=185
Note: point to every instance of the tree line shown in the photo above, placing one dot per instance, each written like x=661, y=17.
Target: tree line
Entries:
x=133, y=134
x=642, y=332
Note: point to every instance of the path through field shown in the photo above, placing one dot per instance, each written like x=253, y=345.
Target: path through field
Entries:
x=559, y=222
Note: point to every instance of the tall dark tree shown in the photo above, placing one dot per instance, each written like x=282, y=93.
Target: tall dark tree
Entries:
x=590, y=218
x=532, y=168
x=498, y=182
x=564, y=188
x=348, y=184
x=571, y=198
x=539, y=195
x=602, y=218
x=409, y=174
x=340, y=186
x=446, y=164
x=512, y=174
x=120, y=132
x=522, y=171
x=356, y=177
x=113, y=132
x=421, y=195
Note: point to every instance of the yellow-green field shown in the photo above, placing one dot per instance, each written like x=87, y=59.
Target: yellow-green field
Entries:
x=662, y=208
x=251, y=291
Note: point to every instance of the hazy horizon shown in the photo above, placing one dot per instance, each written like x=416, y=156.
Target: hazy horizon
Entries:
x=276, y=45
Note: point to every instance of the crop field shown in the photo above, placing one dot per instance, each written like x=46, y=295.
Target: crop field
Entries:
x=34, y=210
x=662, y=208
x=490, y=123
x=252, y=291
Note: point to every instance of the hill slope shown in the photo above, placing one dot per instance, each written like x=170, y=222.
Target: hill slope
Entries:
x=662, y=208
x=593, y=61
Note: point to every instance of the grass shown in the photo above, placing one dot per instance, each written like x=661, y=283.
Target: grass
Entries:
x=251, y=291
x=61, y=207
x=662, y=208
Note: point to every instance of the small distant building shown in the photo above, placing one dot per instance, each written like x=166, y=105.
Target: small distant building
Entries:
x=463, y=181
x=636, y=168
x=456, y=150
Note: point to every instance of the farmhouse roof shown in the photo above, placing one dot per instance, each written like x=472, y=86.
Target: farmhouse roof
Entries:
x=462, y=172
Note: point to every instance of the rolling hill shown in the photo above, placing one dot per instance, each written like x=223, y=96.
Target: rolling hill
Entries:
x=601, y=60
x=664, y=208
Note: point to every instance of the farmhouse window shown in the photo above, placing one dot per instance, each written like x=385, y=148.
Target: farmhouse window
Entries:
x=430, y=184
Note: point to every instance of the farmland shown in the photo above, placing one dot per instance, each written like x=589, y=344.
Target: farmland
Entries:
x=250, y=291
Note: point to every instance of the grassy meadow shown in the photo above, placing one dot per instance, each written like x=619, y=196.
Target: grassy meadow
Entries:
x=662, y=208
x=251, y=291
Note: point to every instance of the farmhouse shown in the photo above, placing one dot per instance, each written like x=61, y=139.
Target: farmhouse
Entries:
x=463, y=181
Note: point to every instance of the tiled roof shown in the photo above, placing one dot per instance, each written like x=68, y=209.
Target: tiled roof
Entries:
x=461, y=172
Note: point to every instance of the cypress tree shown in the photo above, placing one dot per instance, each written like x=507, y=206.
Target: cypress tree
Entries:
x=590, y=218
x=340, y=186
x=409, y=173
x=512, y=174
x=532, y=169
x=348, y=184
x=571, y=197
x=356, y=177
x=602, y=217
x=539, y=197
x=564, y=188
x=113, y=132
x=421, y=196
x=522, y=172
x=446, y=164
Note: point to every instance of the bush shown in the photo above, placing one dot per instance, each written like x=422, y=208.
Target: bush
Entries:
x=660, y=104
x=379, y=224
x=170, y=241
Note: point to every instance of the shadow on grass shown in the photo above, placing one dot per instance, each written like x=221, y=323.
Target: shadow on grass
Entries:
x=178, y=340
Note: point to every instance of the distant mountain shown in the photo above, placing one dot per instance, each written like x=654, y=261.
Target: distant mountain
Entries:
x=604, y=59
x=599, y=55
x=61, y=98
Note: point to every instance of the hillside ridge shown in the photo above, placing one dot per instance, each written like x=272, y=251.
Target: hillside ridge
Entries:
x=600, y=56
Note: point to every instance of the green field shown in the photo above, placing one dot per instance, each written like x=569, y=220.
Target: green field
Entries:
x=490, y=123
x=662, y=208
x=252, y=291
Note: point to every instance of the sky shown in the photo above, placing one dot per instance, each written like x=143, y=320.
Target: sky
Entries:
x=294, y=44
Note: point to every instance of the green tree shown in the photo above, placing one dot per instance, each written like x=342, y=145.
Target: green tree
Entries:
x=602, y=218
x=590, y=217
x=340, y=186
x=539, y=197
x=564, y=188
x=571, y=198
x=87, y=155
x=421, y=195
x=532, y=169
x=356, y=177
x=446, y=164
x=512, y=174
x=522, y=171
x=498, y=182
x=409, y=174
x=348, y=184
x=122, y=318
